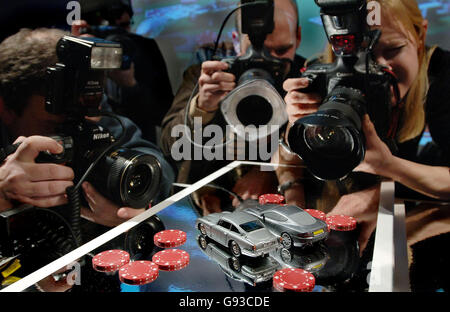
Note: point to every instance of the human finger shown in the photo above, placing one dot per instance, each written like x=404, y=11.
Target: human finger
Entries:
x=42, y=202
x=220, y=76
x=214, y=88
x=128, y=213
x=211, y=66
x=45, y=188
x=19, y=139
x=30, y=148
x=369, y=129
x=76, y=26
x=226, y=83
x=48, y=171
x=295, y=84
x=298, y=98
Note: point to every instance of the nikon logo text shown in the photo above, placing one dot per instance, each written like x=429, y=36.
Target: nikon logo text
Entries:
x=99, y=136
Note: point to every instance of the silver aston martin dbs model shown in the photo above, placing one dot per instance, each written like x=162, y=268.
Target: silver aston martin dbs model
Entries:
x=241, y=232
x=295, y=226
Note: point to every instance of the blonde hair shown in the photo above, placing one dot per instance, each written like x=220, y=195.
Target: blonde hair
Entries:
x=408, y=15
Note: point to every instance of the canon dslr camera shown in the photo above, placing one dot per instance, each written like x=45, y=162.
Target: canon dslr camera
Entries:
x=330, y=141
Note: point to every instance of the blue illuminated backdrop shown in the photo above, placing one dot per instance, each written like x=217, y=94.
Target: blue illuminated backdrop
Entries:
x=179, y=26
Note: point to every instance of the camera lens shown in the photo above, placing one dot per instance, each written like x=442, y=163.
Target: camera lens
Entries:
x=254, y=110
x=332, y=141
x=139, y=180
x=129, y=178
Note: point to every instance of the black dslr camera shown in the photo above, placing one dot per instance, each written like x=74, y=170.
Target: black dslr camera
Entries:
x=331, y=141
x=259, y=76
x=75, y=89
x=127, y=177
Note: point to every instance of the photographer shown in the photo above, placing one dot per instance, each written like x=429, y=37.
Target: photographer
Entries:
x=214, y=84
x=142, y=92
x=423, y=80
x=24, y=58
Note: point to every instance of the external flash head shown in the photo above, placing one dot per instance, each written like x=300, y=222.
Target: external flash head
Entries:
x=89, y=53
x=75, y=83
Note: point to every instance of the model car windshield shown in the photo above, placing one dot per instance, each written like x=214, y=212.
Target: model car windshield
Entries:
x=251, y=226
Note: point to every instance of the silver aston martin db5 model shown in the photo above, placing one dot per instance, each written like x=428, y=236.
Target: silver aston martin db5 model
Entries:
x=252, y=272
x=295, y=226
x=241, y=232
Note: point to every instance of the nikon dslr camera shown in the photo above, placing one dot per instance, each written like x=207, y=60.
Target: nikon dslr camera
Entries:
x=256, y=100
x=75, y=89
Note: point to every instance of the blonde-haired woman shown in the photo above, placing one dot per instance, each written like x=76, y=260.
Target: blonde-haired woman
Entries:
x=424, y=84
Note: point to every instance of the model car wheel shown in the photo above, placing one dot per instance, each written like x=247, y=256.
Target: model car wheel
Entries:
x=202, y=242
x=285, y=255
x=201, y=228
x=286, y=240
x=235, y=264
x=235, y=249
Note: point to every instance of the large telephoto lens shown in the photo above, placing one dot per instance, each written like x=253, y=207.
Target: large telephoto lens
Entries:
x=131, y=178
x=331, y=141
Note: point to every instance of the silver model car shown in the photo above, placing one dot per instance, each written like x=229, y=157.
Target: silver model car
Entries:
x=253, y=272
x=241, y=232
x=295, y=226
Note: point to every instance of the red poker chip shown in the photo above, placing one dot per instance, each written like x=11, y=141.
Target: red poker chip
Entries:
x=290, y=279
x=341, y=223
x=317, y=214
x=271, y=199
x=169, y=238
x=171, y=259
x=138, y=273
x=110, y=260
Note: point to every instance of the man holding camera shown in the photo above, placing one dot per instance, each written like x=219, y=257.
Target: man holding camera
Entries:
x=24, y=58
x=140, y=91
x=214, y=83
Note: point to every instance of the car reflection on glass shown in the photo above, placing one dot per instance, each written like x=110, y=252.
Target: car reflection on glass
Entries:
x=311, y=259
x=252, y=271
x=295, y=226
x=241, y=232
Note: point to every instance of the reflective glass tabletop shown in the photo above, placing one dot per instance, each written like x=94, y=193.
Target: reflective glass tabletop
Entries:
x=336, y=262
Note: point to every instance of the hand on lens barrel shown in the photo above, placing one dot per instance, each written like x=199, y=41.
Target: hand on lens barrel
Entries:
x=214, y=85
x=298, y=103
x=103, y=211
x=378, y=155
x=38, y=184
